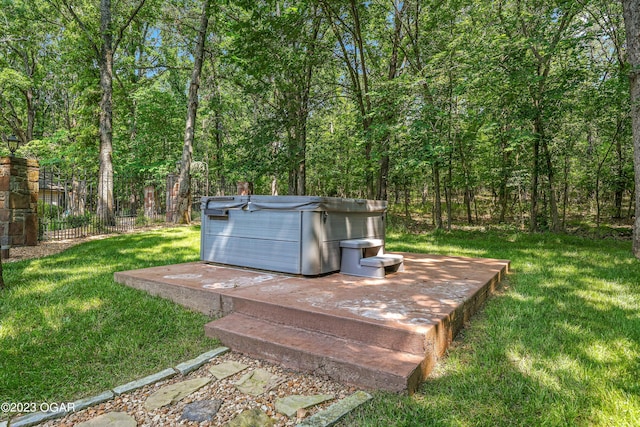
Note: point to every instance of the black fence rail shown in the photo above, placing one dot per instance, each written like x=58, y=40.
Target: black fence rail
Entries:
x=68, y=203
x=68, y=207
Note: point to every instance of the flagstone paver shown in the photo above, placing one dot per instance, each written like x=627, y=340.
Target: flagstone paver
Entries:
x=234, y=401
x=333, y=413
x=289, y=405
x=257, y=382
x=111, y=419
x=251, y=418
x=202, y=410
x=226, y=369
x=173, y=393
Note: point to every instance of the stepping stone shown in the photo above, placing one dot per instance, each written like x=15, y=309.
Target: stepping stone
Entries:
x=110, y=419
x=203, y=410
x=226, y=369
x=257, y=382
x=174, y=393
x=289, y=405
x=251, y=418
x=333, y=413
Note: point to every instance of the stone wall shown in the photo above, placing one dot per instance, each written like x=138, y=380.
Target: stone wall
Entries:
x=18, y=201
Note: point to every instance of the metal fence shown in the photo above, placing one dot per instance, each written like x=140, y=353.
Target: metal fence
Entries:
x=68, y=203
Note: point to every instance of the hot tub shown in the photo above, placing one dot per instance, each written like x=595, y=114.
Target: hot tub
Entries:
x=289, y=234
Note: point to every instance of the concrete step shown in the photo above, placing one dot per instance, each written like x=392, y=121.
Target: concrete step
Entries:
x=347, y=361
x=410, y=339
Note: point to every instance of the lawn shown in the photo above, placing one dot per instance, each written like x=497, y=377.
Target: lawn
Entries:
x=558, y=345
x=67, y=330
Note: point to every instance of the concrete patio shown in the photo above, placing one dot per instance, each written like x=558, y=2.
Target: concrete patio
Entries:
x=374, y=333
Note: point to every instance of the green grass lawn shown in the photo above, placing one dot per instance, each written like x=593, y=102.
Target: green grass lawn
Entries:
x=559, y=345
x=67, y=330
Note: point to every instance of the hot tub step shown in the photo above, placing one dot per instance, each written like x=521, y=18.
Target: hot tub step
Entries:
x=366, y=258
x=344, y=360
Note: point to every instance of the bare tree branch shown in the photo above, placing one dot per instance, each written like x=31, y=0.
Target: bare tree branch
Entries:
x=126, y=24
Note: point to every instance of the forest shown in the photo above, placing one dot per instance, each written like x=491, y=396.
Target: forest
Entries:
x=463, y=111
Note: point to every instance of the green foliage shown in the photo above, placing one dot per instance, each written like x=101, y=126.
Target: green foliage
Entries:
x=50, y=211
x=343, y=98
x=74, y=221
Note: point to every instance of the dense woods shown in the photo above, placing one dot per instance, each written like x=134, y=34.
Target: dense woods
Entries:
x=473, y=111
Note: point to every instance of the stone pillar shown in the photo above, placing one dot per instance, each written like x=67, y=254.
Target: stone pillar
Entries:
x=149, y=201
x=19, y=201
x=173, y=186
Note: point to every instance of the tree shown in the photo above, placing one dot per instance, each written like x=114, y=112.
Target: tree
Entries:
x=535, y=42
x=183, y=213
x=23, y=62
x=347, y=25
x=632, y=24
x=420, y=25
x=279, y=49
x=104, y=48
x=511, y=110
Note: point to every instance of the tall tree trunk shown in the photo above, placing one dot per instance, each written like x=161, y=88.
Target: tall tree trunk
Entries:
x=302, y=113
x=407, y=199
x=383, y=172
x=448, y=191
x=292, y=161
x=358, y=74
x=503, y=194
x=437, y=206
x=303, y=109
x=220, y=177
x=361, y=57
x=392, y=73
x=553, y=200
x=31, y=115
x=183, y=213
x=565, y=191
x=218, y=148
x=105, y=208
x=533, y=224
x=468, y=191
x=597, y=189
x=301, y=182
x=104, y=52
x=632, y=24
x=620, y=181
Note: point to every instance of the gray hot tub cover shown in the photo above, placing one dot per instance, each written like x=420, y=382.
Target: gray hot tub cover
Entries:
x=293, y=203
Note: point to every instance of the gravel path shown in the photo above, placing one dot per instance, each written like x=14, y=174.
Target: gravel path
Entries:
x=234, y=401
x=46, y=248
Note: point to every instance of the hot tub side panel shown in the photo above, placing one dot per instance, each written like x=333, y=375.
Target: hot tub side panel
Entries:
x=323, y=231
x=267, y=240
